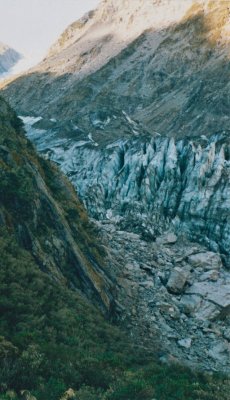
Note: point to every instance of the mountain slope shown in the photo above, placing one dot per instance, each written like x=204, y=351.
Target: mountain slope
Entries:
x=8, y=58
x=141, y=132
x=161, y=71
x=50, y=335
x=40, y=208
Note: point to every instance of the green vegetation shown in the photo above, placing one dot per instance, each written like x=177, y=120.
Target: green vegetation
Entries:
x=40, y=206
x=51, y=337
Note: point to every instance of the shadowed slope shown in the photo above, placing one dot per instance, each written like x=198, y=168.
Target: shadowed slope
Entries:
x=39, y=207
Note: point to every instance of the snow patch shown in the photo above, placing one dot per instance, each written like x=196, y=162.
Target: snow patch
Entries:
x=29, y=120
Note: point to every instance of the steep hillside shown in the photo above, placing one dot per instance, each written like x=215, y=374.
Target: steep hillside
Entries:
x=8, y=58
x=50, y=264
x=51, y=338
x=40, y=208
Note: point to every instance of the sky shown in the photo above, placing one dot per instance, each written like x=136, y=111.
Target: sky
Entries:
x=31, y=26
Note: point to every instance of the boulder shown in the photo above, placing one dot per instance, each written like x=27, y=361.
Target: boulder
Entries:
x=207, y=311
x=212, y=275
x=177, y=280
x=186, y=343
x=26, y=395
x=227, y=334
x=207, y=261
x=69, y=395
x=220, y=296
x=201, y=289
x=190, y=303
x=168, y=238
x=220, y=352
x=215, y=299
x=168, y=309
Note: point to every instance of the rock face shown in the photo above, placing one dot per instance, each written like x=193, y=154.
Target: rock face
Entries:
x=8, y=58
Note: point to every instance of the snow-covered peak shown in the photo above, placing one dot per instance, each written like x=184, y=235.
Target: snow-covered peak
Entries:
x=8, y=58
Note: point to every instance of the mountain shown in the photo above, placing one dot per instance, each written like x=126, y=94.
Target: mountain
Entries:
x=131, y=51
x=139, y=102
x=8, y=58
x=132, y=103
x=52, y=339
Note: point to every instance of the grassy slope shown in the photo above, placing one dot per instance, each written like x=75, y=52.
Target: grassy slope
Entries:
x=51, y=338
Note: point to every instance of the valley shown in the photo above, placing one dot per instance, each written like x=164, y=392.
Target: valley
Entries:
x=132, y=105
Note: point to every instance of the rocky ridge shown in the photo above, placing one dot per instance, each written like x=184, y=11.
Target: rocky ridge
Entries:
x=101, y=34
